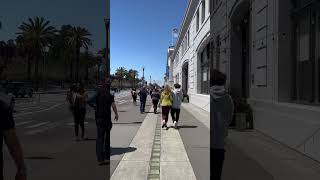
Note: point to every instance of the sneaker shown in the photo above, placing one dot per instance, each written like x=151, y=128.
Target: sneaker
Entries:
x=175, y=124
x=164, y=123
x=101, y=163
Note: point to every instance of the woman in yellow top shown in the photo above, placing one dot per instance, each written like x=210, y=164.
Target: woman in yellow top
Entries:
x=166, y=103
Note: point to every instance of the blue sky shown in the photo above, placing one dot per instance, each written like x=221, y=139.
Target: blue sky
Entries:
x=140, y=33
x=86, y=13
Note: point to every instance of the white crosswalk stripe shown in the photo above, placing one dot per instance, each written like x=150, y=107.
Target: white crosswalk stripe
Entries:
x=23, y=123
x=37, y=125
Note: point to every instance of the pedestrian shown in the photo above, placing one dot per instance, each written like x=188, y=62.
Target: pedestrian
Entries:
x=221, y=111
x=79, y=111
x=155, y=96
x=134, y=95
x=69, y=97
x=143, y=99
x=102, y=101
x=8, y=133
x=177, y=97
x=166, y=103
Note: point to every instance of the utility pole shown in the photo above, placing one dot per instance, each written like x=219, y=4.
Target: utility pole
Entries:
x=150, y=79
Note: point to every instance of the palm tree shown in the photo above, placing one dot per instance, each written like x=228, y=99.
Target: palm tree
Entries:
x=24, y=48
x=121, y=74
x=132, y=75
x=39, y=34
x=8, y=51
x=63, y=50
x=79, y=37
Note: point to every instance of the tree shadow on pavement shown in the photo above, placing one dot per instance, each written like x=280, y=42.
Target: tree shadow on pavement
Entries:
x=121, y=150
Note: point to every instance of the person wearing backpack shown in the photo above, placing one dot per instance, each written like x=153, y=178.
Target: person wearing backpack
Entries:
x=177, y=97
x=155, y=96
x=166, y=103
x=102, y=101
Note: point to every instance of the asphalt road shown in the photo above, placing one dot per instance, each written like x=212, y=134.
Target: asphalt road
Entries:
x=46, y=132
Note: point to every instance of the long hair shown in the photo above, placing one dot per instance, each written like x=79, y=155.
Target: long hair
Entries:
x=167, y=89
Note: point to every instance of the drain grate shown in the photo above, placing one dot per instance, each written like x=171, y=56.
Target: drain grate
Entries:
x=154, y=170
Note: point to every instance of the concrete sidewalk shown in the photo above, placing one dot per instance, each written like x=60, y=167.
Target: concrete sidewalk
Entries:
x=251, y=155
x=160, y=154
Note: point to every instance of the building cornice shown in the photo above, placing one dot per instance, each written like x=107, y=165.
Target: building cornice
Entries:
x=188, y=16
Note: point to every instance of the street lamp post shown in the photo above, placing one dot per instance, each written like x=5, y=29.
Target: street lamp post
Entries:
x=107, y=24
x=45, y=70
x=142, y=76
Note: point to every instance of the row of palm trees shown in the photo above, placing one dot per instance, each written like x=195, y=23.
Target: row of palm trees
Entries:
x=36, y=37
x=130, y=75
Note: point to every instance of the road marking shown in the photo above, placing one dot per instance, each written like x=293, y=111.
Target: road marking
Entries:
x=50, y=126
x=72, y=123
x=37, y=125
x=22, y=123
x=47, y=109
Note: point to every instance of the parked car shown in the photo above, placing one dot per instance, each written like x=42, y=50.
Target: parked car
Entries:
x=19, y=89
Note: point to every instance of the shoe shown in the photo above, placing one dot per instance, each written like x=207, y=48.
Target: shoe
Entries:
x=164, y=123
x=76, y=139
x=175, y=124
x=101, y=163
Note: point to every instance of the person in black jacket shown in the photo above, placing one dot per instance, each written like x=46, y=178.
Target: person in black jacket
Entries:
x=155, y=96
x=102, y=101
x=143, y=99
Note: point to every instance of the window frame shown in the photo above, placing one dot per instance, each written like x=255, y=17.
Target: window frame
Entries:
x=203, y=11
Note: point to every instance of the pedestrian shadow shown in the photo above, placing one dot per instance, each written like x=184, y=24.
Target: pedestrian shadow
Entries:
x=121, y=150
x=129, y=123
x=186, y=126
x=90, y=139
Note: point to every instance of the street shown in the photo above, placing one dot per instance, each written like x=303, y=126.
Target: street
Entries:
x=45, y=129
x=46, y=132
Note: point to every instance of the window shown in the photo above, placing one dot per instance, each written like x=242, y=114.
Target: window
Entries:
x=197, y=21
x=205, y=71
x=211, y=5
x=217, y=52
x=203, y=12
x=188, y=38
x=307, y=88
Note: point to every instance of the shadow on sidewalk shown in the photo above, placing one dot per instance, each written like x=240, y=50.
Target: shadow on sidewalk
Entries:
x=121, y=150
x=129, y=123
x=186, y=126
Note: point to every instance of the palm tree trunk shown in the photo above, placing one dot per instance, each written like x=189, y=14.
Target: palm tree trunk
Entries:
x=87, y=74
x=36, y=73
x=29, y=67
x=71, y=71
x=78, y=64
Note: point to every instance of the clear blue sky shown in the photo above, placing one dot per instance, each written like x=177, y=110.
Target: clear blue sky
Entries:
x=86, y=13
x=140, y=34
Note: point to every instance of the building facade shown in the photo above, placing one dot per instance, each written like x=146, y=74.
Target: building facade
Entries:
x=270, y=51
x=189, y=60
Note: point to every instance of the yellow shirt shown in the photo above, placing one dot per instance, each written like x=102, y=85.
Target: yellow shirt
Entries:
x=166, y=99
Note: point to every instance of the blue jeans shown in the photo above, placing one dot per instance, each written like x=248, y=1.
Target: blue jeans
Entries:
x=103, y=142
x=142, y=106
